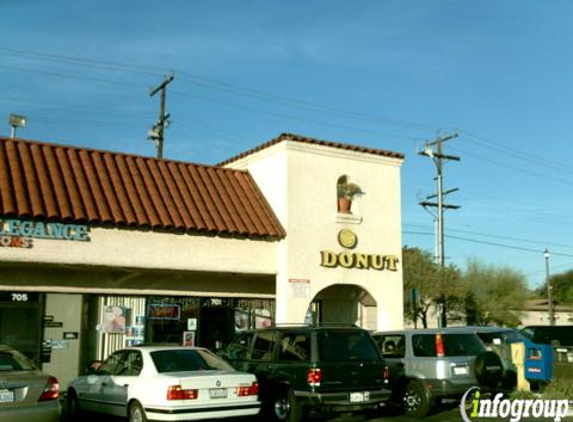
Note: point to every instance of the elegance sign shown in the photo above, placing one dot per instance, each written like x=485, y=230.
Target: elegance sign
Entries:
x=18, y=233
x=347, y=259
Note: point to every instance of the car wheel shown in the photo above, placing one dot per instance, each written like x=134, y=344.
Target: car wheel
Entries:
x=416, y=400
x=509, y=381
x=73, y=409
x=136, y=412
x=489, y=370
x=286, y=407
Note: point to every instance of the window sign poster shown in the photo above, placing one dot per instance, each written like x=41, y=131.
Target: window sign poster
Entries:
x=189, y=338
x=114, y=319
x=191, y=324
x=241, y=319
x=263, y=318
x=299, y=288
x=163, y=311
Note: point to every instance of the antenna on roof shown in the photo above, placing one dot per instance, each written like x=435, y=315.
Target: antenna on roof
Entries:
x=156, y=132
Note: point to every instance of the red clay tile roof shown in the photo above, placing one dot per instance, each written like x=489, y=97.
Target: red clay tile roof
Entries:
x=303, y=139
x=55, y=182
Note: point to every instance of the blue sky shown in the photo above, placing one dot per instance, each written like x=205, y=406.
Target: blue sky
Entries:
x=385, y=74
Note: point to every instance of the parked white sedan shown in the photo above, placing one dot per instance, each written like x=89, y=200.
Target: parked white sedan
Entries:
x=165, y=383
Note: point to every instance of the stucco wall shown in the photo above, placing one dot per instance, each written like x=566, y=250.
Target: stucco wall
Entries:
x=306, y=175
x=151, y=250
x=64, y=359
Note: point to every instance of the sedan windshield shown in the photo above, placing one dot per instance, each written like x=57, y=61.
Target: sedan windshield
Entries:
x=11, y=360
x=178, y=360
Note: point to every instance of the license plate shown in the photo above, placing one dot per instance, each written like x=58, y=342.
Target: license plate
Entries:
x=6, y=396
x=218, y=393
x=461, y=370
x=356, y=397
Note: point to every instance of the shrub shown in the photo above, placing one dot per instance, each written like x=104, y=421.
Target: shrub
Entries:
x=523, y=395
x=558, y=389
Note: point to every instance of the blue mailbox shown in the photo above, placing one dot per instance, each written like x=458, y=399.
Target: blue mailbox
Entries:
x=538, y=361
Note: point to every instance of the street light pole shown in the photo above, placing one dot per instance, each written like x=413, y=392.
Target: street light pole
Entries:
x=549, y=289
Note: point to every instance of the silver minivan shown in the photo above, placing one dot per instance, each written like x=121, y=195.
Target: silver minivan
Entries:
x=427, y=365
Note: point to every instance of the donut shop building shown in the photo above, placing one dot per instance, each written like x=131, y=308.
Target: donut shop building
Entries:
x=101, y=250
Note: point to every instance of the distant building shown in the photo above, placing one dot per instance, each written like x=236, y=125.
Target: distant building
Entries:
x=536, y=312
x=533, y=312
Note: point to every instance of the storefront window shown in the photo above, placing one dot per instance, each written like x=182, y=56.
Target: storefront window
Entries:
x=20, y=322
x=190, y=321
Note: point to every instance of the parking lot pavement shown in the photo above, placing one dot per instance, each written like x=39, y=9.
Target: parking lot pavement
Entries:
x=448, y=413
x=386, y=416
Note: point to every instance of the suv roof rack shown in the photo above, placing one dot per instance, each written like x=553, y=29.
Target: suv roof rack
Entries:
x=316, y=324
x=336, y=324
x=291, y=324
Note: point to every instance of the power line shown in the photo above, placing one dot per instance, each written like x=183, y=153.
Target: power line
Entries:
x=520, y=170
x=68, y=76
x=265, y=96
x=518, y=154
x=222, y=86
x=519, y=239
x=290, y=117
x=83, y=62
x=485, y=242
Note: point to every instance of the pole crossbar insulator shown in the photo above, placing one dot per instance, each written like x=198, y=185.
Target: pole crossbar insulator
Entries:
x=157, y=132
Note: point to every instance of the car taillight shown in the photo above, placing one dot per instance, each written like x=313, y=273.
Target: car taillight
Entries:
x=253, y=390
x=175, y=392
x=314, y=376
x=51, y=390
x=440, y=351
x=385, y=373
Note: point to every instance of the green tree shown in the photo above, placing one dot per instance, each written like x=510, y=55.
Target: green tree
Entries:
x=432, y=283
x=562, y=285
x=496, y=294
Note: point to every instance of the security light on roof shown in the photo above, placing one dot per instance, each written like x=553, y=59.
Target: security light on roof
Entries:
x=16, y=120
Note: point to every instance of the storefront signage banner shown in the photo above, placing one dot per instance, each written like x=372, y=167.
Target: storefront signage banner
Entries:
x=163, y=311
x=18, y=233
x=347, y=259
x=358, y=260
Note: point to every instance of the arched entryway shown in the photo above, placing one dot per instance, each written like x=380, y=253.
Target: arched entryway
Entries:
x=344, y=303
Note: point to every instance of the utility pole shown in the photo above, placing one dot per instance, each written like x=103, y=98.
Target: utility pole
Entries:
x=158, y=129
x=550, y=303
x=434, y=150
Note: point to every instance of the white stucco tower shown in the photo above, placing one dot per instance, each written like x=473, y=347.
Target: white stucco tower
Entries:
x=346, y=266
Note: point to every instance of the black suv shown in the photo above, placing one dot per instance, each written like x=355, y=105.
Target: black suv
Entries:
x=303, y=369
